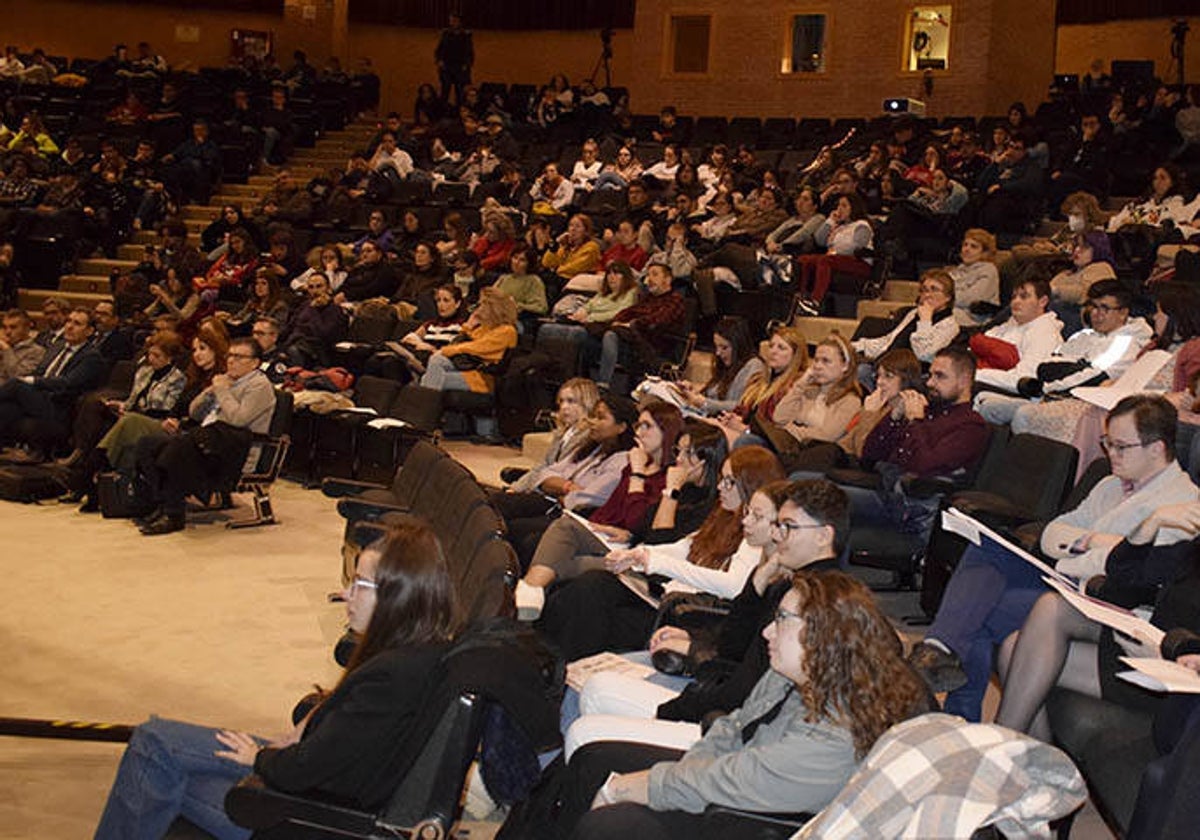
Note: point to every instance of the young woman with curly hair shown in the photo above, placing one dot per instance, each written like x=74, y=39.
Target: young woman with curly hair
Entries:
x=837, y=681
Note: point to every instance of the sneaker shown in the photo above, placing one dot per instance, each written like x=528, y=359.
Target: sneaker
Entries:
x=941, y=671
x=804, y=306
x=530, y=600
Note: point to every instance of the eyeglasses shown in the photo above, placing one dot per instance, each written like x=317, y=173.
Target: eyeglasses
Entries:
x=238, y=356
x=1110, y=446
x=1104, y=307
x=361, y=583
x=788, y=528
x=782, y=615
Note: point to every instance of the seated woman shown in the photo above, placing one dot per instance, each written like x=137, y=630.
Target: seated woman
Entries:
x=424, y=273
x=330, y=263
x=976, y=279
x=729, y=658
x=618, y=174
x=1082, y=212
x=1091, y=261
x=570, y=547
x=488, y=334
x=836, y=682
x=735, y=364
x=456, y=236
x=845, y=233
x=157, y=386
x=895, y=371
x=216, y=235
x=177, y=296
x=662, y=174
x=786, y=357
x=524, y=287
x=816, y=410
x=406, y=358
x=919, y=225
x=581, y=317
x=925, y=328
x=266, y=300
x=597, y=611
x=350, y=747
x=797, y=234
x=575, y=251
x=229, y=277
x=494, y=245
x=574, y=403
x=713, y=229
x=1162, y=202
x=640, y=337
x=580, y=480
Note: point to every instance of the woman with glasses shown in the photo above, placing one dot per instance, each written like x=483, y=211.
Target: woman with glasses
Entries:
x=350, y=747
x=1091, y=261
x=797, y=525
x=570, y=546
x=597, y=611
x=925, y=328
x=836, y=682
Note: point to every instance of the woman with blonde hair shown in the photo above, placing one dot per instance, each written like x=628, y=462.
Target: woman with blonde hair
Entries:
x=576, y=400
x=823, y=401
x=786, y=358
x=925, y=328
x=489, y=333
x=976, y=279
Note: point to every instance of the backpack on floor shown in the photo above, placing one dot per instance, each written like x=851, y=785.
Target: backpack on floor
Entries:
x=527, y=388
x=30, y=483
x=122, y=495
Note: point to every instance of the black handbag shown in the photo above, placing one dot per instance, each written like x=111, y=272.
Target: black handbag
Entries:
x=122, y=495
x=465, y=362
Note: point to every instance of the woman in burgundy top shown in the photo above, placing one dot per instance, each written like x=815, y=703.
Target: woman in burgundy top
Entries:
x=568, y=545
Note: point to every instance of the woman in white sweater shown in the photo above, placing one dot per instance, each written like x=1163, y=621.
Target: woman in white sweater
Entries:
x=976, y=278
x=926, y=328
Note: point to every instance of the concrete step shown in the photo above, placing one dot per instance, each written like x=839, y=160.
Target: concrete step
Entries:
x=241, y=191
x=303, y=173
x=245, y=201
x=87, y=284
x=815, y=329
x=879, y=308
x=31, y=299
x=149, y=237
x=104, y=266
x=905, y=291
x=201, y=211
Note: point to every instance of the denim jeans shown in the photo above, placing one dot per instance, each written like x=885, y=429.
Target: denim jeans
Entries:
x=169, y=771
x=442, y=375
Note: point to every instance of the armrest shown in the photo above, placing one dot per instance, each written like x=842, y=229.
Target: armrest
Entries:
x=251, y=804
x=337, y=488
x=993, y=510
x=856, y=478
x=356, y=509
x=927, y=488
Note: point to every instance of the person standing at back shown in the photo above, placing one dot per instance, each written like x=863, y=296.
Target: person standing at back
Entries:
x=454, y=55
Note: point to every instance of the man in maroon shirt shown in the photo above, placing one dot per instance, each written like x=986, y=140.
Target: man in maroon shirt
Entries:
x=927, y=437
x=641, y=335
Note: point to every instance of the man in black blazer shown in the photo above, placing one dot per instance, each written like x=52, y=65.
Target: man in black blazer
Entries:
x=36, y=409
x=111, y=340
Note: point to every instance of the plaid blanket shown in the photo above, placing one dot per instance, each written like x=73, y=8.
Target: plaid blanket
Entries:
x=937, y=776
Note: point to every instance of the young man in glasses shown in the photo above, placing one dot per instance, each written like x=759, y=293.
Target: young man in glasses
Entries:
x=992, y=591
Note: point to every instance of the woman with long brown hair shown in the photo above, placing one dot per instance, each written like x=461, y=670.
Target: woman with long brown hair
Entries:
x=786, y=358
x=837, y=681
x=596, y=611
x=350, y=747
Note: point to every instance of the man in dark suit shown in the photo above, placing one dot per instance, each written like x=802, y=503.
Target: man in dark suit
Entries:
x=112, y=341
x=36, y=410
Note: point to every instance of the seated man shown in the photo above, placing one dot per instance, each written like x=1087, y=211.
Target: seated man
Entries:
x=236, y=405
x=1013, y=350
x=274, y=361
x=112, y=341
x=640, y=336
x=1010, y=188
x=20, y=354
x=934, y=436
x=1091, y=356
x=194, y=166
x=55, y=311
x=41, y=402
x=315, y=327
x=992, y=591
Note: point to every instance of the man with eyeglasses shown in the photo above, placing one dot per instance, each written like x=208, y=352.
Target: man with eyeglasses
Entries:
x=238, y=404
x=265, y=333
x=1095, y=354
x=991, y=591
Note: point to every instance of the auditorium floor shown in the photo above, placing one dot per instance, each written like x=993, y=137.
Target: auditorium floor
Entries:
x=212, y=626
